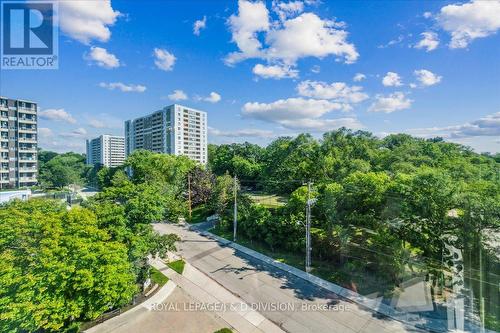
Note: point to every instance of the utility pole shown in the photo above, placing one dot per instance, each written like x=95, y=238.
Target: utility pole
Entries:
x=308, y=228
x=235, y=221
x=189, y=195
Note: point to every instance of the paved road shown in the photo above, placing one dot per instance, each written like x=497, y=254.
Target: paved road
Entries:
x=303, y=307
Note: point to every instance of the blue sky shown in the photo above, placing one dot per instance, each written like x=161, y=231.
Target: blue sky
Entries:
x=265, y=69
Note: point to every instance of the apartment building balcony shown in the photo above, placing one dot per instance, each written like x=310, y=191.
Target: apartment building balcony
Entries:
x=31, y=169
x=27, y=129
x=27, y=149
x=22, y=110
x=27, y=159
x=28, y=181
x=27, y=140
x=27, y=120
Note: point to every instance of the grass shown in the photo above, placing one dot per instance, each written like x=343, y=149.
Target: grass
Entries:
x=177, y=265
x=199, y=214
x=224, y=330
x=268, y=200
x=158, y=277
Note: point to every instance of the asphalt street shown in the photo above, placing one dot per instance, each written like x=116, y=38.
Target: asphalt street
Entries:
x=292, y=303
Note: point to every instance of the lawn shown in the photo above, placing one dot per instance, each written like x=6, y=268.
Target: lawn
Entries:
x=224, y=330
x=158, y=277
x=177, y=265
x=199, y=214
x=268, y=200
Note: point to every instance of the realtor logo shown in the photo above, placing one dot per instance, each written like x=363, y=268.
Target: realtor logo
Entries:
x=29, y=35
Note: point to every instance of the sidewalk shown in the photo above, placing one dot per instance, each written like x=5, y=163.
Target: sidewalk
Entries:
x=209, y=293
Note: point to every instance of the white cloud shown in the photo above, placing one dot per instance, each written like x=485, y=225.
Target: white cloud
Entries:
x=338, y=91
x=177, y=95
x=291, y=108
x=469, y=21
x=392, y=79
x=288, y=39
x=87, y=20
x=104, y=120
x=164, y=60
x=274, y=71
x=253, y=17
x=103, y=58
x=256, y=133
x=309, y=36
x=429, y=41
x=359, y=77
x=300, y=113
x=199, y=25
x=97, y=123
x=315, y=69
x=76, y=133
x=427, y=78
x=392, y=42
x=393, y=102
x=485, y=126
x=64, y=145
x=322, y=125
x=427, y=14
x=123, y=87
x=213, y=97
x=57, y=115
x=45, y=132
x=287, y=9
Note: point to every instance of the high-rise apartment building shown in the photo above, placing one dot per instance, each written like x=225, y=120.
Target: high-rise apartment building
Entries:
x=176, y=129
x=107, y=150
x=18, y=143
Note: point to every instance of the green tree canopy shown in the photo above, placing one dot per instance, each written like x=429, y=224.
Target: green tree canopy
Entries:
x=58, y=266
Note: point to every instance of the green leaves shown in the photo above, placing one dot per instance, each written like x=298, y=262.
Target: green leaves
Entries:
x=58, y=266
x=59, y=170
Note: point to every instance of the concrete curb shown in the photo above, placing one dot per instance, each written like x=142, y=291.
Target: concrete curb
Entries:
x=159, y=296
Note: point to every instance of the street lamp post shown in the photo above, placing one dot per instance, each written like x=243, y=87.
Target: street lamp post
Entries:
x=310, y=202
x=235, y=221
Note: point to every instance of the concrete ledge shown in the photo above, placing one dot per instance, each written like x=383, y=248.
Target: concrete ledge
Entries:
x=160, y=296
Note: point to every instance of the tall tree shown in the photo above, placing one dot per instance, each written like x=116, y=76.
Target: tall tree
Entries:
x=58, y=266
